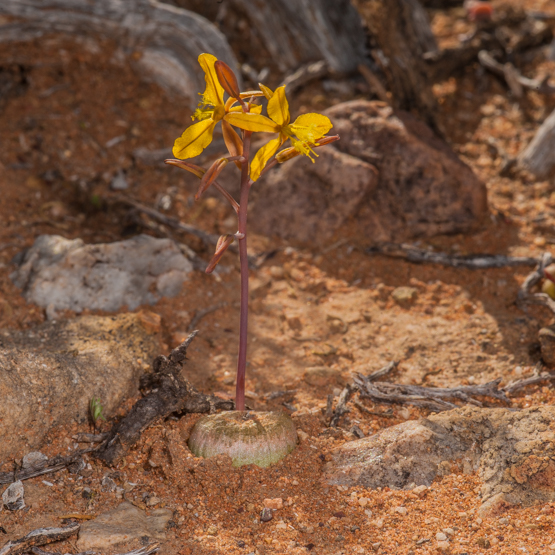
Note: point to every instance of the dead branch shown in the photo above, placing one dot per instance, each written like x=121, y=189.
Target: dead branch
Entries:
x=538, y=157
x=513, y=77
x=41, y=536
x=209, y=239
x=73, y=463
x=341, y=408
x=170, y=393
x=537, y=377
x=89, y=438
x=471, y=262
x=525, y=295
x=348, y=391
x=434, y=398
x=147, y=550
x=387, y=369
x=305, y=74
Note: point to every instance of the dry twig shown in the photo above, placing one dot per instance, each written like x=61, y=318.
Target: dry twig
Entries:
x=471, y=262
x=41, y=536
x=73, y=462
x=525, y=295
x=305, y=74
x=513, y=78
x=170, y=393
x=208, y=239
x=434, y=398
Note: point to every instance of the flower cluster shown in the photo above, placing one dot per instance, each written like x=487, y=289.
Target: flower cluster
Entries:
x=239, y=110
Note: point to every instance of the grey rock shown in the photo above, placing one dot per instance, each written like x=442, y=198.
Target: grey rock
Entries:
x=388, y=174
x=514, y=452
x=126, y=525
x=49, y=374
x=62, y=274
x=34, y=459
x=119, y=182
x=12, y=498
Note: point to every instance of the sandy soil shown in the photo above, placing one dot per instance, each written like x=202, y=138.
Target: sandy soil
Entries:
x=320, y=305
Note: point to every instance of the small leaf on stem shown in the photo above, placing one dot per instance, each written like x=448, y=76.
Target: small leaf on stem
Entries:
x=223, y=243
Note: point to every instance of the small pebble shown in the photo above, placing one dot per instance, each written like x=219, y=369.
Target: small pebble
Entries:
x=420, y=490
x=401, y=510
x=363, y=501
x=13, y=496
x=274, y=504
x=441, y=537
x=212, y=530
x=266, y=515
x=151, y=501
x=443, y=545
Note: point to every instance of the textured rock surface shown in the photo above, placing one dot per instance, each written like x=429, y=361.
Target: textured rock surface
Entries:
x=309, y=202
x=58, y=273
x=124, y=526
x=388, y=170
x=514, y=452
x=49, y=374
x=164, y=41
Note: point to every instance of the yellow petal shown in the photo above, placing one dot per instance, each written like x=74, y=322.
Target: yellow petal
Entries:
x=253, y=108
x=262, y=157
x=194, y=139
x=266, y=91
x=252, y=122
x=310, y=127
x=214, y=93
x=278, y=107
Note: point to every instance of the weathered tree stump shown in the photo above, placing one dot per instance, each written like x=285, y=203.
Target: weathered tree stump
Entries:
x=164, y=41
x=539, y=156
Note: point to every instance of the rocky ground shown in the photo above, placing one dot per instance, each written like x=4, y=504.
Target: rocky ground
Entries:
x=321, y=311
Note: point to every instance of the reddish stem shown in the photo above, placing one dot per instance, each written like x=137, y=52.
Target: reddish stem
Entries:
x=243, y=321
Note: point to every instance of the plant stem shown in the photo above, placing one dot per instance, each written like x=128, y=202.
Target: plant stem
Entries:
x=243, y=322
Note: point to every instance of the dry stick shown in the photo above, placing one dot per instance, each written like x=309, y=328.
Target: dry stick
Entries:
x=46, y=467
x=208, y=239
x=305, y=74
x=348, y=391
x=429, y=397
x=471, y=262
x=41, y=536
x=525, y=296
x=148, y=550
x=170, y=393
x=514, y=79
x=341, y=408
x=202, y=313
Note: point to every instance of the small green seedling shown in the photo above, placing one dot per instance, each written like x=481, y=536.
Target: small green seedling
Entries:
x=95, y=409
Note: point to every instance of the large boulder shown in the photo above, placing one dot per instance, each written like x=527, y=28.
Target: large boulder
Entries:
x=63, y=274
x=389, y=173
x=512, y=450
x=49, y=374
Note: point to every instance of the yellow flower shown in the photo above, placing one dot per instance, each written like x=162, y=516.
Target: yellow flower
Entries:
x=210, y=111
x=303, y=132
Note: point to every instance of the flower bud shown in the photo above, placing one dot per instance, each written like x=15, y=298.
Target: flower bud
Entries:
x=227, y=79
